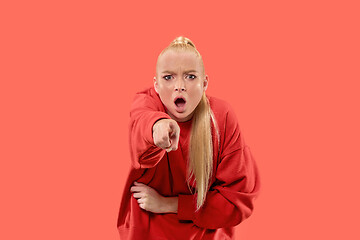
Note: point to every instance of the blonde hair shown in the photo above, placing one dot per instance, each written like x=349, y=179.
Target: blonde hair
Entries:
x=201, y=146
x=183, y=44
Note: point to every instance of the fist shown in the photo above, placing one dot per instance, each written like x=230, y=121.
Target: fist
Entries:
x=148, y=198
x=166, y=134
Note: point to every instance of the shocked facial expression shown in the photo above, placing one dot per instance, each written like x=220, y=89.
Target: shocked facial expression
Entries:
x=180, y=82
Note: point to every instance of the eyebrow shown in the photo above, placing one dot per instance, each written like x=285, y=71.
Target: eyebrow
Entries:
x=173, y=72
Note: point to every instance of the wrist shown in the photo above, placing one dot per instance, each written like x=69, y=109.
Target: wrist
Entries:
x=171, y=204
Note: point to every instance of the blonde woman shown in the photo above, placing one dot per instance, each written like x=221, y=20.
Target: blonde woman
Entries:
x=192, y=176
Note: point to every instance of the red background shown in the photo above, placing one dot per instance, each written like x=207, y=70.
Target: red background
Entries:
x=69, y=71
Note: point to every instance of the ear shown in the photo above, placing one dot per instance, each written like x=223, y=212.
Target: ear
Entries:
x=206, y=82
x=156, y=85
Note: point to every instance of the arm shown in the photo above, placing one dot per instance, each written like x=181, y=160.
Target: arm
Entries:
x=145, y=111
x=150, y=200
x=230, y=199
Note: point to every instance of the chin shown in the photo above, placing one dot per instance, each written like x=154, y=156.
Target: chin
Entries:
x=181, y=117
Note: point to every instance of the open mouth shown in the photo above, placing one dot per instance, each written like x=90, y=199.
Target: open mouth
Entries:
x=180, y=102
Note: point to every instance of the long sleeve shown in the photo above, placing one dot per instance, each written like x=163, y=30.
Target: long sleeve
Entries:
x=230, y=198
x=145, y=111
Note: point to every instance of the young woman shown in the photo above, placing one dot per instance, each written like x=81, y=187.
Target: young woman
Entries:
x=192, y=176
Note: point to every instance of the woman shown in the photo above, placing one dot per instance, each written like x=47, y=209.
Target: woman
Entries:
x=192, y=176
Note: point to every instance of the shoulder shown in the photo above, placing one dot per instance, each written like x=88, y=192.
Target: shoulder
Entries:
x=148, y=97
x=218, y=105
x=147, y=92
x=225, y=117
x=228, y=126
x=222, y=109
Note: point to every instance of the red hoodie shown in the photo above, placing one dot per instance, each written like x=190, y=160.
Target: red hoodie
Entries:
x=235, y=182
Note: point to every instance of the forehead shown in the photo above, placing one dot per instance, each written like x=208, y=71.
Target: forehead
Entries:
x=173, y=60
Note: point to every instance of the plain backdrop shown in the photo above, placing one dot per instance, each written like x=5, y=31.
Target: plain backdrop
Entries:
x=69, y=71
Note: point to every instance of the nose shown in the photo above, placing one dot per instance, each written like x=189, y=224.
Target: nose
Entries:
x=180, y=85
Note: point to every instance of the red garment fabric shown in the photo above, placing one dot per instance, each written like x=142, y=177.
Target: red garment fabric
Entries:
x=235, y=182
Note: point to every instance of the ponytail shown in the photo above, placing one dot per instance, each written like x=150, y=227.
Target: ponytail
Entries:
x=200, y=165
x=201, y=149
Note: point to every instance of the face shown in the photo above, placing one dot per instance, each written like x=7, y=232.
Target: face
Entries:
x=180, y=82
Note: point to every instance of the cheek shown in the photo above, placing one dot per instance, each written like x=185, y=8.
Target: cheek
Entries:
x=197, y=86
x=196, y=90
x=165, y=95
x=196, y=97
x=166, y=88
x=165, y=92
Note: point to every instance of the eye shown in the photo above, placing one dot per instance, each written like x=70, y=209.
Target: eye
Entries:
x=191, y=76
x=167, y=77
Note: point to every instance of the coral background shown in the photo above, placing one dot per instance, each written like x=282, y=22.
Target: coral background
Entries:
x=69, y=71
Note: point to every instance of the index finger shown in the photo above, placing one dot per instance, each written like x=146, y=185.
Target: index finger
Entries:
x=175, y=139
x=171, y=127
x=135, y=189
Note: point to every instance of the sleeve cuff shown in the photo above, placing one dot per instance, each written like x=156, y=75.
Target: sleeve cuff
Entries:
x=186, y=207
